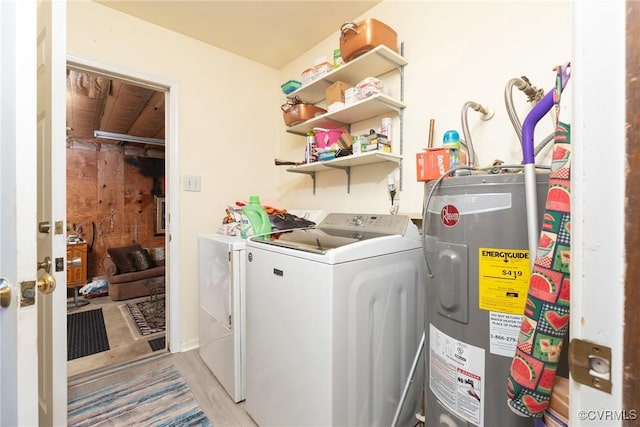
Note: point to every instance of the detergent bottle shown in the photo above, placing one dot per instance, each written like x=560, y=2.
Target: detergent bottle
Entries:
x=255, y=220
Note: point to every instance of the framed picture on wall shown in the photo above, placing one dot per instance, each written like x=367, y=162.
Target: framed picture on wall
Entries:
x=159, y=215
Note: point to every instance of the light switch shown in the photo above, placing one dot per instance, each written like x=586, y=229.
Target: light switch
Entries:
x=192, y=183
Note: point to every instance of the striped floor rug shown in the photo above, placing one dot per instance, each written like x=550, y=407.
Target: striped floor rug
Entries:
x=147, y=316
x=160, y=398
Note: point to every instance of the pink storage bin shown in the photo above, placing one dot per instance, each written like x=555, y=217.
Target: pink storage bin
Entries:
x=326, y=137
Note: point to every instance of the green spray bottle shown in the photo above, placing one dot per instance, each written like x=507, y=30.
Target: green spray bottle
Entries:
x=255, y=221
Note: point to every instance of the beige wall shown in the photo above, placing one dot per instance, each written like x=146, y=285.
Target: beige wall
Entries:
x=231, y=127
x=457, y=51
x=228, y=112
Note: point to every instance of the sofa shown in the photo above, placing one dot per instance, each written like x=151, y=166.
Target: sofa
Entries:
x=128, y=268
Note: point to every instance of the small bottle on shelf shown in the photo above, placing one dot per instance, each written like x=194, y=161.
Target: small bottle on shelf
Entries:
x=310, y=150
x=386, y=128
x=358, y=140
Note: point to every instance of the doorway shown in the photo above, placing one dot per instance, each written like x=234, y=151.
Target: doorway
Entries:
x=116, y=198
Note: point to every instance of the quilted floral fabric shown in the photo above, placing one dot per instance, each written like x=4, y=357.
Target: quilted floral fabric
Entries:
x=546, y=317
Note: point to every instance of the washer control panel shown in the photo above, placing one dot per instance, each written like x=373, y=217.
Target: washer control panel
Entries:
x=382, y=224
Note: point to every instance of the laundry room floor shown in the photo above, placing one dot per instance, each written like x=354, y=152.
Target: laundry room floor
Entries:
x=123, y=346
x=221, y=410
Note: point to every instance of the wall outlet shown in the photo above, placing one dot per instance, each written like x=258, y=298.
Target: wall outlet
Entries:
x=192, y=183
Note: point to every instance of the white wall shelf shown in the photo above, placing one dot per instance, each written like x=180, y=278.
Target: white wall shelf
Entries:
x=364, y=109
x=345, y=163
x=376, y=62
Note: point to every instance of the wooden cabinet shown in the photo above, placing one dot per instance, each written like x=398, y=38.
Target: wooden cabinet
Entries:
x=77, y=276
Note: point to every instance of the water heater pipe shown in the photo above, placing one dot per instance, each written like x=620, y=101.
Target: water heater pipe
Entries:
x=487, y=114
x=528, y=153
x=533, y=96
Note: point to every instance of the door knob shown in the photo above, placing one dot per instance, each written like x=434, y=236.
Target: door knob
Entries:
x=74, y=262
x=45, y=264
x=46, y=283
x=5, y=293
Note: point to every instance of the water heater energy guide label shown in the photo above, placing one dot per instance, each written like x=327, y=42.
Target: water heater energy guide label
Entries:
x=503, y=279
x=456, y=375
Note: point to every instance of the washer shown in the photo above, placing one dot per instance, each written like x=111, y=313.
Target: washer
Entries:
x=335, y=314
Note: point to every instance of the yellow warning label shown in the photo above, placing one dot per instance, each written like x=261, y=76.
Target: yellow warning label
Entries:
x=503, y=280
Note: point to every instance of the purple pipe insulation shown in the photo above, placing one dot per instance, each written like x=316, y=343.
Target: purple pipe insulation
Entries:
x=534, y=116
x=529, y=125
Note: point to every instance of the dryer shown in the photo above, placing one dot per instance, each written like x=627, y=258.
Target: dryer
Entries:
x=335, y=314
x=222, y=313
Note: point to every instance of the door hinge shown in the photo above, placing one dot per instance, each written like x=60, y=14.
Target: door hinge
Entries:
x=590, y=364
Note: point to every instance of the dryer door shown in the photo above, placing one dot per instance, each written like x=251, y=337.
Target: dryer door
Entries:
x=215, y=280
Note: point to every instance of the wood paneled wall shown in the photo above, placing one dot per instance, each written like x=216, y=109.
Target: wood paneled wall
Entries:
x=110, y=198
x=631, y=362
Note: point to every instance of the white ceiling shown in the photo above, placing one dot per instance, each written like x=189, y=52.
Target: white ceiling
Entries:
x=269, y=32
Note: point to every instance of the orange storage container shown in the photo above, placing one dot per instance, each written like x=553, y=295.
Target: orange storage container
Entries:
x=296, y=111
x=359, y=37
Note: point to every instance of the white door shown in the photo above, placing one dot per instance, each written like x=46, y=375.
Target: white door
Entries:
x=598, y=205
x=18, y=396
x=51, y=210
x=20, y=195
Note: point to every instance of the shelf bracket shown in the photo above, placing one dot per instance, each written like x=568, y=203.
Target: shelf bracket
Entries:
x=401, y=119
x=312, y=175
x=347, y=170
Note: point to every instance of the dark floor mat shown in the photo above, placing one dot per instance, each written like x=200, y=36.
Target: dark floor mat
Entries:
x=86, y=334
x=157, y=344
